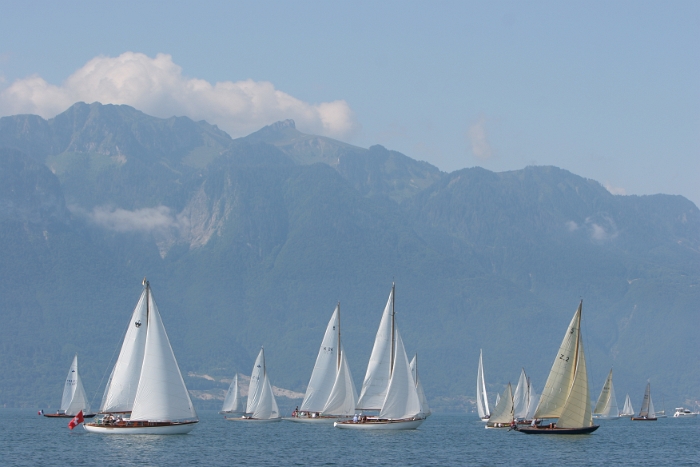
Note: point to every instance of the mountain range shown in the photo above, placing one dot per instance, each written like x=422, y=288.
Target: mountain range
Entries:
x=253, y=241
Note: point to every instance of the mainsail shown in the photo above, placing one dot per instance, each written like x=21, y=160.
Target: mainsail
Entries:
x=606, y=406
x=424, y=407
x=482, y=400
x=627, y=409
x=503, y=412
x=74, y=398
x=376, y=380
x=161, y=394
x=326, y=368
x=402, y=399
x=521, y=397
x=233, y=402
x=343, y=397
x=256, y=378
x=122, y=385
x=647, y=410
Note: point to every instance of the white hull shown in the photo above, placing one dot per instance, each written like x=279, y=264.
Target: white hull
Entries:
x=606, y=417
x=252, y=420
x=381, y=425
x=179, y=429
x=316, y=420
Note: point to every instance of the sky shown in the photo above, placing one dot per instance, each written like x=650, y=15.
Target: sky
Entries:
x=607, y=90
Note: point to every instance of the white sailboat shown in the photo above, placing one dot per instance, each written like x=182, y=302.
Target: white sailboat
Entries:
x=482, y=399
x=261, y=406
x=606, y=406
x=646, y=413
x=233, y=402
x=522, y=398
x=331, y=394
x=627, y=409
x=424, y=407
x=74, y=399
x=566, y=396
x=389, y=386
x=502, y=415
x=145, y=393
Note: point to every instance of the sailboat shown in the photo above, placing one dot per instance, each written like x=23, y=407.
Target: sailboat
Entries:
x=566, y=396
x=482, y=399
x=424, y=408
x=389, y=386
x=145, y=393
x=662, y=413
x=522, y=398
x=627, y=410
x=74, y=399
x=233, y=402
x=606, y=407
x=502, y=415
x=331, y=394
x=646, y=413
x=261, y=405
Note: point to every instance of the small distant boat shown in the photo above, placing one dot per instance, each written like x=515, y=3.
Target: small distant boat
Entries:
x=145, y=393
x=606, y=407
x=502, y=415
x=330, y=395
x=482, y=399
x=233, y=402
x=646, y=413
x=627, y=409
x=683, y=412
x=261, y=406
x=662, y=413
x=74, y=399
x=389, y=386
x=566, y=396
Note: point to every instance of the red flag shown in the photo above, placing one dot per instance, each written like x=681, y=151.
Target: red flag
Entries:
x=77, y=420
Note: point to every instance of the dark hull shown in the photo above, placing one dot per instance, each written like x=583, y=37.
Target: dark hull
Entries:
x=62, y=415
x=558, y=431
x=643, y=419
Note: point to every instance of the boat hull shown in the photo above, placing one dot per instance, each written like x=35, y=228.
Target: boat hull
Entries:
x=158, y=429
x=252, y=420
x=606, y=418
x=315, y=420
x=380, y=424
x=545, y=430
x=644, y=419
x=61, y=415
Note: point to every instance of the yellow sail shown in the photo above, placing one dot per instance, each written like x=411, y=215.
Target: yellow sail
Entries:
x=561, y=376
x=577, y=408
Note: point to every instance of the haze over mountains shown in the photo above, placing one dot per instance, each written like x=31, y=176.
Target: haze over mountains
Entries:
x=252, y=241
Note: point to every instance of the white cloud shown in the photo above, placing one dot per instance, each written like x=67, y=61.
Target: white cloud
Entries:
x=157, y=87
x=572, y=226
x=147, y=220
x=614, y=190
x=478, y=138
x=602, y=229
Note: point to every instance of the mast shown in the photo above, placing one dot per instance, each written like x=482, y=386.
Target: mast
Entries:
x=338, y=351
x=393, y=327
x=148, y=289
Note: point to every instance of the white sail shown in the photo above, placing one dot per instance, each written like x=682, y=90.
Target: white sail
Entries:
x=122, y=385
x=651, y=413
x=401, y=400
x=343, y=397
x=503, y=412
x=255, y=387
x=644, y=411
x=233, y=402
x=424, y=407
x=561, y=376
x=326, y=368
x=482, y=399
x=266, y=408
x=532, y=404
x=521, y=397
x=161, y=394
x=627, y=409
x=378, y=373
x=74, y=398
x=606, y=406
x=576, y=412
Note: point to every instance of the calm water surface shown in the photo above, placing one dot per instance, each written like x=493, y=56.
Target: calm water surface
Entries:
x=27, y=439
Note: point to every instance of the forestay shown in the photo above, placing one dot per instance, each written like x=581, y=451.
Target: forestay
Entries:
x=161, y=393
x=123, y=382
x=325, y=369
x=378, y=373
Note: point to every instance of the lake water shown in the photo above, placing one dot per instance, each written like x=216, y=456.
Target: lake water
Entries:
x=31, y=440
